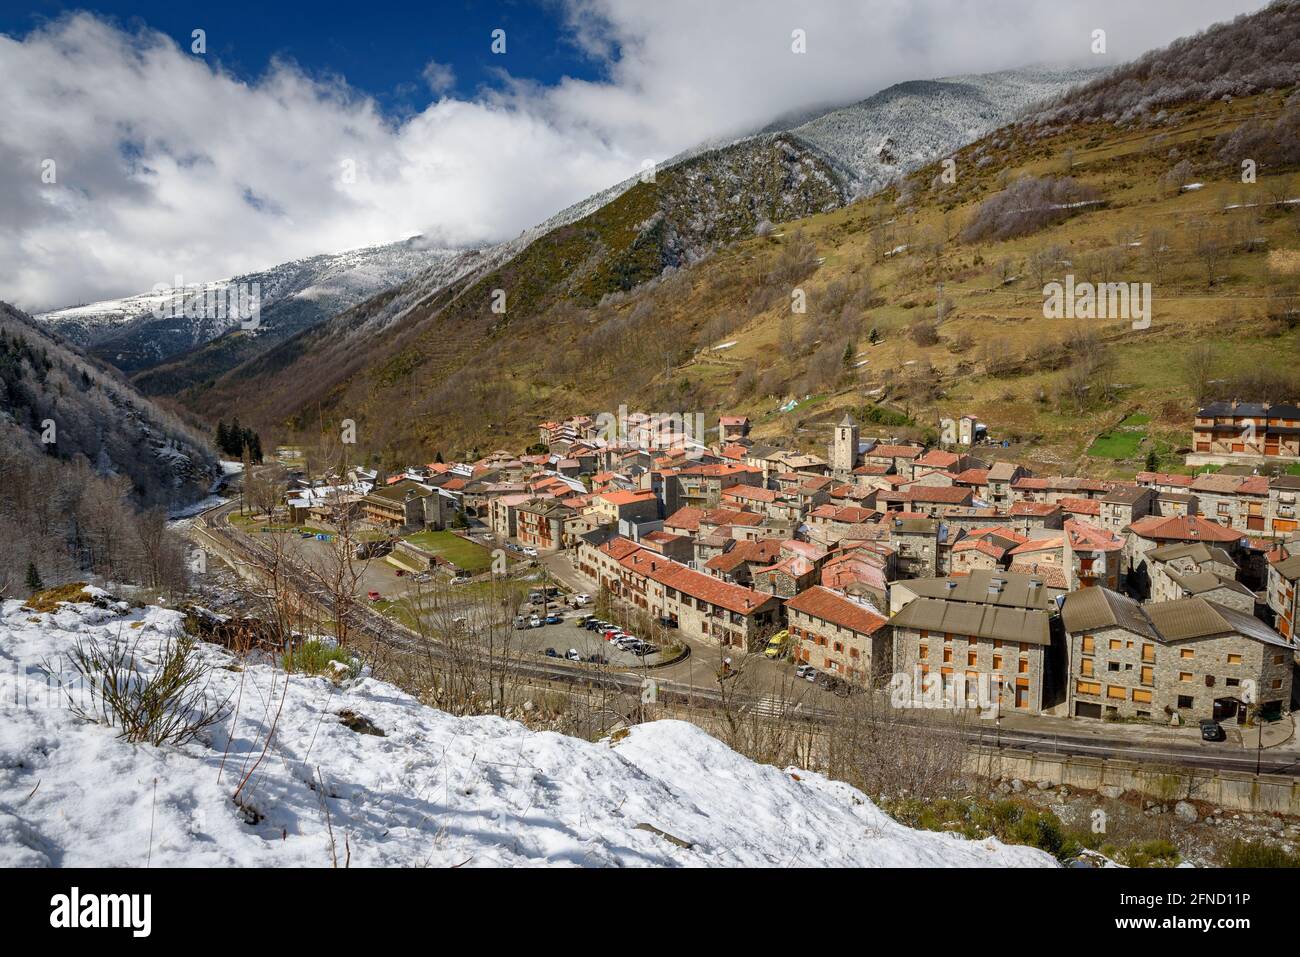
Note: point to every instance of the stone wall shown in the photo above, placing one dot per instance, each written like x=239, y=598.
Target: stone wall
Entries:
x=1235, y=790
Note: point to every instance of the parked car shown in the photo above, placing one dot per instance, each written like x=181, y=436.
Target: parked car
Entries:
x=530, y=552
x=581, y=599
x=776, y=644
x=1212, y=731
x=573, y=655
x=552, y=653
x=521, y=622
x=594, y=624
x=824, y=680
x=553, y=619
x=534, y=622
x=373, y=595
x=807, y=672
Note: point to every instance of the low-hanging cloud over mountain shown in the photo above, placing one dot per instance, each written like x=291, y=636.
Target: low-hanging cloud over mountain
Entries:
x=164, y=164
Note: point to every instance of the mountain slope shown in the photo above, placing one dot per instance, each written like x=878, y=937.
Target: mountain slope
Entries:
x=414, y=337
x=702, y=204
x=905, y=126
x=1171, y=210
x=140, y=332
x=49, y=391
x=421, y=789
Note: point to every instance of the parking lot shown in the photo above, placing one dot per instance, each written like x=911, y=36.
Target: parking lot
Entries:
x=569, y=634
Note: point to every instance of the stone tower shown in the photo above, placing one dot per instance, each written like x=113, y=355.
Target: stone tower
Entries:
x=844, y=449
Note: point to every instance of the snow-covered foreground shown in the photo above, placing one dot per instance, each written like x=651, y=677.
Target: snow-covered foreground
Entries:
x=432, y=790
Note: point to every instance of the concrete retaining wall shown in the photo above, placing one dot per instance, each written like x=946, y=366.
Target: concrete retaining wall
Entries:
x=1234, y=790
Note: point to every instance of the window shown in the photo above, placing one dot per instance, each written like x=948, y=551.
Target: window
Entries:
x=839, y=646
x=1185, y=701
x=970, y=658
x=924, y=652
x=1276, y=684
x=1278, y=659
x=1116, y=644
x=1234, y=659
x=854, y=653
x=1141, y=697
x=1148, y=652
x=1184, y=676
x=1024, y=667
x=1148, y=676
x=1085, y=667
x=947, y=654
x=1114, y=691
x=1088, y=643
x=1187, y=653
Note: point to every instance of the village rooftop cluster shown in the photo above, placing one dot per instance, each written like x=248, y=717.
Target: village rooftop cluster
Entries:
x=1171, y=597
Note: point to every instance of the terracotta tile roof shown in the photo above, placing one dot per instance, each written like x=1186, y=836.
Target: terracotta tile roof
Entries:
x=661, y=537
x=697, y=585
x=1001, y=531
x=951, y=495
x=629, y=497
x=1081, y=506
x=871, y=469
x=1051, y=543
x=1034, y=508
x=1164, y=478
x=688, y=518
x=1184, y=528
x=619, y=548
x=982, y=545
x=896, y=452
x=750, y=492
x=733, y=451
x=1085, y=537
x=939, y=459
x=972, y=477
x=764, y=551
x=829, y=606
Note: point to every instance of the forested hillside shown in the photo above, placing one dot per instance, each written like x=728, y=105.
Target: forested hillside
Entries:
x=89, y=466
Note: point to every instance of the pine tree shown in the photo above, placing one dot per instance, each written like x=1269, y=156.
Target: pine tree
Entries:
x=34, y=577
x=848, y=355
x=223, y=437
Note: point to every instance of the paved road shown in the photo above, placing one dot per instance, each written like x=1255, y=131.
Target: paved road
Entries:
x=699, y=686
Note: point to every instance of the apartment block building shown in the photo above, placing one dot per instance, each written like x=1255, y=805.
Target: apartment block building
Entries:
x=1192, y=658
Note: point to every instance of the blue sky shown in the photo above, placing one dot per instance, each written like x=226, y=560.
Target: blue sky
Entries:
x=379, y=46
x=171, y=163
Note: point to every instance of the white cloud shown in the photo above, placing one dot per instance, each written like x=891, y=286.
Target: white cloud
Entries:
x=166, y=165
x=439, y=76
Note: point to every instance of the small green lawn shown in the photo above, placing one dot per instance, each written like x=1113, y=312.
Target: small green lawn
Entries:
x=1117, y=445
x=469, y=556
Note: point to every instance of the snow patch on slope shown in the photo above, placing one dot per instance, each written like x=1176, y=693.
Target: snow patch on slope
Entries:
x=433, y=790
